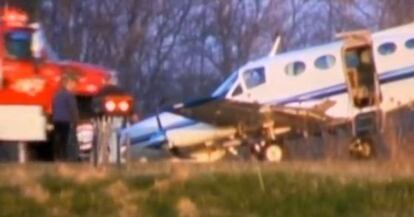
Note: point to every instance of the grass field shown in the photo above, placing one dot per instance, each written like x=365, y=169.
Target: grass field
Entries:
x=224, y=189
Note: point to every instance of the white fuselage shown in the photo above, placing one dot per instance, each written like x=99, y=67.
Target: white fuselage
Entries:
x=312, y=85
x=302, y=78
x=178, y=131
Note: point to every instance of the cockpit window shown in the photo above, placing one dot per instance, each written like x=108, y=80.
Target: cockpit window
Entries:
x=18, y=44
x=254, y=77
x=237, y=91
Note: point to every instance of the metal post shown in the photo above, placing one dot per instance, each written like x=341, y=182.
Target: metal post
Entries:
x=118, y=142
x=22, y=152
x=118, y=152
x=95, y=143
x=105, y=140
x=101, y=141
x=128, y=150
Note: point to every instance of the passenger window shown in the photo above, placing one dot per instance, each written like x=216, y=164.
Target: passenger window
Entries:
x=325, y=62
x=254, y=77
x=237, y=91
x=410, y=44
x=387, y=48
x=295, y=68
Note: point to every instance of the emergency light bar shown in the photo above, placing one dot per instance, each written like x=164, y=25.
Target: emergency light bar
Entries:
x=14, y=18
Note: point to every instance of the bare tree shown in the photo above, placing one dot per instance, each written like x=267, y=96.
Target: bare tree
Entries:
x=180, y=49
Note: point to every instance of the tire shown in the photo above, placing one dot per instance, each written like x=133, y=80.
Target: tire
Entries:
x=272, y=153
x=362, y=148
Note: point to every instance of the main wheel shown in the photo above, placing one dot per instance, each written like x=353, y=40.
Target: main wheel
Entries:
x=362, y=148
x=272, y=153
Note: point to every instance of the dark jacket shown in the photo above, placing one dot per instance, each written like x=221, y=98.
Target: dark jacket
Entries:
x=65, y=108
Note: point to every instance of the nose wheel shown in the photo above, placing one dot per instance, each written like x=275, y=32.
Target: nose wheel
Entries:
x=268, y=152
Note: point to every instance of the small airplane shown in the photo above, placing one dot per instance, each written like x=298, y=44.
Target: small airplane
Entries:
x=354, y=80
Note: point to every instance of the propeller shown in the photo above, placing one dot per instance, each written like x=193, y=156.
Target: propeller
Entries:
x=161, y=128
x=159, y=124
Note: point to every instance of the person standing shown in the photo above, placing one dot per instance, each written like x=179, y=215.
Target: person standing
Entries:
x=65, y=115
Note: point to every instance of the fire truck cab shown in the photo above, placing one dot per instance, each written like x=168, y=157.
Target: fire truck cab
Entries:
x=30, y=76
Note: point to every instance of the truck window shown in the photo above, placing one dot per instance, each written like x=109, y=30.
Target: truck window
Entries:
x=18, y=44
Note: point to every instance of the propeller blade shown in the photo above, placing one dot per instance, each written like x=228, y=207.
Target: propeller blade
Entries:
x=157, y=116
x=160, y=126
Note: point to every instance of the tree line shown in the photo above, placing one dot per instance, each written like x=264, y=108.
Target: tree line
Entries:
x=181, y=49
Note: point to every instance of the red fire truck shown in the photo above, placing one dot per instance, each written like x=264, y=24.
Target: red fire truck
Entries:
x=29, y=78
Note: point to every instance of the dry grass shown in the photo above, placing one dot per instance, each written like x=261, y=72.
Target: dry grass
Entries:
x=219, y=189
x=371, y=170
x=81, y=173
x=187, y=208
x=26, y=181
x=123, y=197
x=176, y=173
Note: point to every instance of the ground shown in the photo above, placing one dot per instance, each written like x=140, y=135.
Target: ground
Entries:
x=317, y=179
x=312, y=188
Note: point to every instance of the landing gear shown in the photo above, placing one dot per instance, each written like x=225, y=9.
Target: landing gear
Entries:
x=362, y=148
x=367, y=133
x=270, y=152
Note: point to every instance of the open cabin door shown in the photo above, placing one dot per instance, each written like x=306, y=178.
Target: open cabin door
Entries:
x=360, y=71
x=364, y=91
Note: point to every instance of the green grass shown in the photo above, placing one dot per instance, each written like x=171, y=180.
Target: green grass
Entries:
x=13, y=204
x=79, y=199
x=286, y=195
x=213, y=192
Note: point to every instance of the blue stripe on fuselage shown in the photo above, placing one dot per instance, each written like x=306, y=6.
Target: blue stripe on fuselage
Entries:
x=146, y=137
x=341, y=88
x=181, y=124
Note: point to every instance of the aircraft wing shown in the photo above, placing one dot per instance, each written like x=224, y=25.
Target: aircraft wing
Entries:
x=223, y=112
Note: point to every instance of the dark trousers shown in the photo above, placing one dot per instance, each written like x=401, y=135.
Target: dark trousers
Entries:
x=61, y=140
